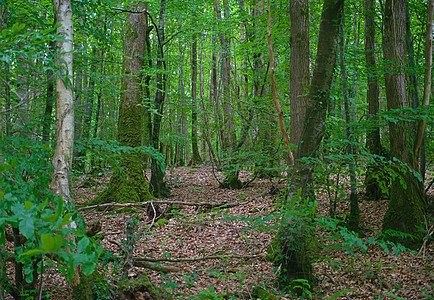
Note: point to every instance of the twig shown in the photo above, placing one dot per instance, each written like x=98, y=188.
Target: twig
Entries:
x=147, y=264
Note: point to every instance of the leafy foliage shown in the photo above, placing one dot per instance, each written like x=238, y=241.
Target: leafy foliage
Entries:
x=42, y=224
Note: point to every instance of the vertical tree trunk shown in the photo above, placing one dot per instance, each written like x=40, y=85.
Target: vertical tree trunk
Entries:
x=159, y=187
x=406, y=204
x=129, y=184
x=294, y=236
x=181, y=146
x=195, y=159
x=62, y=158
x=373, y=190
x=354, y=217
x=426, y=86
x=289, y=155
x=227, y=131
x=299, y=67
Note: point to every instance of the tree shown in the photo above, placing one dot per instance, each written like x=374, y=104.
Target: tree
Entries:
x=354, y=217
x=299, y=66
x=293, y=237
x=406, y=204
x=129, y=184
x=62, y=158
x=195, y=158
x=373, y=141
x=159, y=187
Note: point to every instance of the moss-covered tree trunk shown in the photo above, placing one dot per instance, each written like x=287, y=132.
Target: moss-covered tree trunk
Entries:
x=128, y=184
x=406, y=204
x=295, y=238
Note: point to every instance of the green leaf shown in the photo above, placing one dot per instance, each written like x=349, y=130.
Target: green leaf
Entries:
x=82, y=244
x=58, y=242
x=48, y=242
x=88, y=268
x=52, y=218
x=27, y=227
x=66, y=219
x=28, y=205
x=32, y=252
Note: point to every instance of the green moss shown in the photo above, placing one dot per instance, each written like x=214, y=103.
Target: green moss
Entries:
x=84, y=291
x=291, y=252
x=128, y=288
x=232, y=182
x=162, y=222
x=264, y=294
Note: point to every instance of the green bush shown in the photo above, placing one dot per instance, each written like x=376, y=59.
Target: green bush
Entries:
x=40, y=224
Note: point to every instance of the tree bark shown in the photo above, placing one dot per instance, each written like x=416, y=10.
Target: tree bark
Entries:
x=294, y=237
x=373, y=141
x=129, y=184
x=159, y=187
x=195, y=159
x=406, y=204
x=62, y=158
x=427, y=83
x=299, y=66
x=181, y=147
x=354, y=217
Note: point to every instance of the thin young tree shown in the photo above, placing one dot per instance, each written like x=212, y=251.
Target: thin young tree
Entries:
x=62, y=158
x=373, y=141
x=158, y=185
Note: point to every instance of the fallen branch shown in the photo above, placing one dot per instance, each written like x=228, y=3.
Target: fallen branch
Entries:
x=145, y=203
x=155, y=266
x=188, y=259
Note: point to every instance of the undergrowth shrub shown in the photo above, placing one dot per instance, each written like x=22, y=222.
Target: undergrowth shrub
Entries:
x=35, y=231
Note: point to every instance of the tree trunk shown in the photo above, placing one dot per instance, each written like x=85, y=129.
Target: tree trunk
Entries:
x=294, y=236
x=299, y=67
x=227, y=131
x=373, y=141
x=159, y=187
x=129, y=183
x=181, y=146
x=289, y=155
x=420, y=134
x=62, y=158
x=195, y=159
x=406, y=204
x=354, y=217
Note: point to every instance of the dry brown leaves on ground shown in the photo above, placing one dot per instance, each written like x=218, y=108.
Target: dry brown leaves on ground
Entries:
x=239, y=237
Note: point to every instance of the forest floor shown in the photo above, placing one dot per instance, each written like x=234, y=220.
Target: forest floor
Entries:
x=224, y=249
